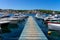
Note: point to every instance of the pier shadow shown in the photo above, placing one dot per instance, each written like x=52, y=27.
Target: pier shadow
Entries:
x=43, y=26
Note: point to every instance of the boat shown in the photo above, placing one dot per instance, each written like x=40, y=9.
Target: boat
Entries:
x=16, y=18
x=12, y=19
x=4, y=26
x=54, y=17
x=16, y=14
x=23, y=15
x=54, y=25
x=38, y=16
x=54, y=22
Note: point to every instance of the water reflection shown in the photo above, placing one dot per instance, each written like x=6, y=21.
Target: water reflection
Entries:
x=15, y=29
x=4, y=28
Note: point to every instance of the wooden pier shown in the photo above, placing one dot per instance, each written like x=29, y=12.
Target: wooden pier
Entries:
x=32, y=31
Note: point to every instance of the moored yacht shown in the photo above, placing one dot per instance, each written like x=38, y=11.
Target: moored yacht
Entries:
x=38, y=16
x=16, y=18
x=54, y=25
x=52, y=16
x=54, y=22
x=23, y=15
x=12, y=19
x=4, y=26
x=4, y=22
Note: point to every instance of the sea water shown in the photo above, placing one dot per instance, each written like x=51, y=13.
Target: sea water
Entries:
x=16, y=29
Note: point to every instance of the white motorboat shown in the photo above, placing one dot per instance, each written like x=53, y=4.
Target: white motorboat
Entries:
x=14, y=19
x=38, y=16
x=16, y=14
x=54, y=22
x=4, y=25
x=3, y=22
x=23, y=15
x=53, y=25
x=47, y=17
x=54, y=17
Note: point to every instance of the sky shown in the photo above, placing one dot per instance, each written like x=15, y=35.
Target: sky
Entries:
x=30, y=4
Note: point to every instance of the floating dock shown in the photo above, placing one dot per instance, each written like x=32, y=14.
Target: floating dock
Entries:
x=32, y=31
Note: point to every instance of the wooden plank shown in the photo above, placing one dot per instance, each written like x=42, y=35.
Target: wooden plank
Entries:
x=32, y=31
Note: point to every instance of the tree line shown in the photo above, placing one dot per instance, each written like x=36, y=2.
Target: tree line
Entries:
x=30, y=11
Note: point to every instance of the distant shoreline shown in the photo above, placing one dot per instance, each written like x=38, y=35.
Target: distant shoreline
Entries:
x=28, y=11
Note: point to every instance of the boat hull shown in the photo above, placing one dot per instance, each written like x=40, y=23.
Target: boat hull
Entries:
x=4, y=26
x=14, y=20
x=53, y=26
